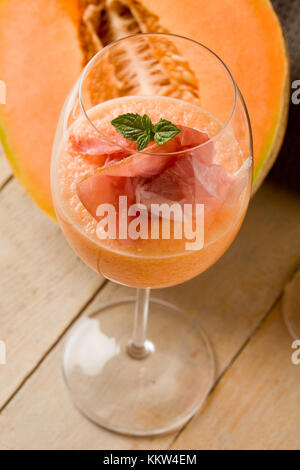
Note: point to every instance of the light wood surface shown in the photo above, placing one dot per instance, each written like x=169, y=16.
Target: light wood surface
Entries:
x=45, y=288
x=256, y=404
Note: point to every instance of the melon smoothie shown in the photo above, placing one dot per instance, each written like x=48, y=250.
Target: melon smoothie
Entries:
x=148, y=262
x=151, y=178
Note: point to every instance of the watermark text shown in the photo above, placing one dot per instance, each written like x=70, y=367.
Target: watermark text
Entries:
x=296, y=354
x=158, y=221
x=2, y=92
x=2, y=353
x=296, y=93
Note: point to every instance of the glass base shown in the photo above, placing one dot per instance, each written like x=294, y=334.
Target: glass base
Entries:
x=152, y=395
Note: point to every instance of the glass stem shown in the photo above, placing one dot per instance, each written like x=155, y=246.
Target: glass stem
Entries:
x=139, y=347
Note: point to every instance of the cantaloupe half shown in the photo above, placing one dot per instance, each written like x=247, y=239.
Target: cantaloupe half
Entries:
x=44, y=45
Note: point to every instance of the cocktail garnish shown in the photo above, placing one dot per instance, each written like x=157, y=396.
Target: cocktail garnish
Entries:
x=139, y=128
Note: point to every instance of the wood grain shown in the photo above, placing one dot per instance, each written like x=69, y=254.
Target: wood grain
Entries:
x=42, y=415
x=231, y=300
x=234, y=295
x=256, y=404
x=43, y=286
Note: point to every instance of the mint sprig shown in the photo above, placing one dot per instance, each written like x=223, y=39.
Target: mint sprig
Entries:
x=140, y=129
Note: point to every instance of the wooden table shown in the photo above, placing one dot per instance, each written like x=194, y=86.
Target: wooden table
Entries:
x=45, y=288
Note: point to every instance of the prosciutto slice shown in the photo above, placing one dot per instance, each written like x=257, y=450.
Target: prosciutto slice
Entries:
x=173, y=175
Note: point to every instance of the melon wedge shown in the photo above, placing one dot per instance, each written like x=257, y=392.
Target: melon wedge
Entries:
x=44, y=45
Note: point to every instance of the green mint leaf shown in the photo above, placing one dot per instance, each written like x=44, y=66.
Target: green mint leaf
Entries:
x=140, y=129
x=142, y=141
x=164, y=131
x=129, y=125
x=148, y=126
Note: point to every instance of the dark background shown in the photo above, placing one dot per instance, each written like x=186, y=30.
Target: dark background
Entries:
x=286, y=170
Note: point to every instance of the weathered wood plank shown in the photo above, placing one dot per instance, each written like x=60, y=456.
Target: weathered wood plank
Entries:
x=51, y=421
x=256, y=404
x=234, y=295
x=231, y=300
x=43, y=285
x=5, y=170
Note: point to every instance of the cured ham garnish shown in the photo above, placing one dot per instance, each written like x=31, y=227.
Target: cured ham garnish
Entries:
x=183, y=172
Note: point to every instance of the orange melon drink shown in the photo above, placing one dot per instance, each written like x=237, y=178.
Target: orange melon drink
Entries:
x=210, y=177
x=151, y=174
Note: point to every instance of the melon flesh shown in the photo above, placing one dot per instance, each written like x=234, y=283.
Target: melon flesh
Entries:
x=39, y=61
x=43, y=46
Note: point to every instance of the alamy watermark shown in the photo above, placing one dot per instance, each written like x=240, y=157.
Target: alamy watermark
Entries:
x=296, y=355
x=2, y=343
x=2, y=353
x=159, y=221
x=2, y=92
x=296, y=93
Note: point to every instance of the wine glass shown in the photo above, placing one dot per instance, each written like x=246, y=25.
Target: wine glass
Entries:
x=123, y=372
